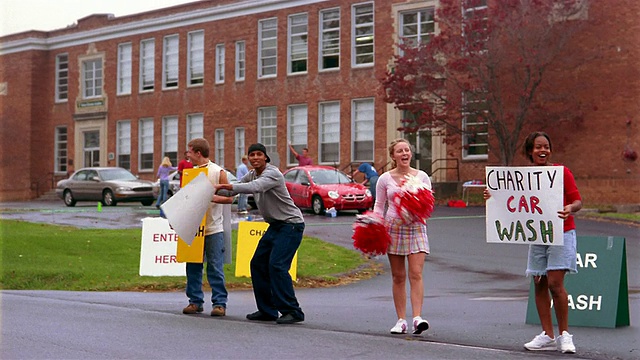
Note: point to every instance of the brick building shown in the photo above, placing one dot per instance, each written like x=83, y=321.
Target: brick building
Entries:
x=126, y=91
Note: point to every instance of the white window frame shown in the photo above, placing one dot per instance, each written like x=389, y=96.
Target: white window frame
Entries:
x=329, y=39
x=268, y=48
x=297, y=130
x=220, y=64
x=362, y=127
x=170, y=61
x=147, y=65
x=195, y=58
x=61, y=150
x=123, y=142
x=241, y=60
x=62, y=78
x=268, y=128
x=425, y=17
x=471, y=119
x=298, y=44
x=366, y=39
x=123, y=83
x=92, y=78
x=240, y=140
x=328, y=131
x=170, y=138
x=145, y=143
x=219, y=147
x=195, y=126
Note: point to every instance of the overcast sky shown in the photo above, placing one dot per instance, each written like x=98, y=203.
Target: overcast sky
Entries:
x=22, y=15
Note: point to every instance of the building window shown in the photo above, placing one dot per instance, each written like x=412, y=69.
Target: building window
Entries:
x=239, y=145
x=195, y=127
x=92, y=78
x=145, y=144
x=297, y=128
x=475, y=141
x=60, y=161
x=267, y=47
x=268, y=129
x=362, y=115
x=474, y=25
x=219, y=147
x=147, y=64
x=240, y=60
x=124, y=69
x=298, y=49
x=417, y=26
x=170, y=65
x=362, y=34
x=170, y=138
x=195, y=58
x=219, y=63
x=123, y=144
x=329, y=129
x=329, y=39
x=62, y=77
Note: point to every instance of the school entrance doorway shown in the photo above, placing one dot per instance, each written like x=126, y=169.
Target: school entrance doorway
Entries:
x=91, y=148
x=423, y=156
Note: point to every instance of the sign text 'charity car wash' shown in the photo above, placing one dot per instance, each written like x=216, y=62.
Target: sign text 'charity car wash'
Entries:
x=524, y=204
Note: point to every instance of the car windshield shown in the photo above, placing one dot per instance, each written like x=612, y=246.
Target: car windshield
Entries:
x=324, y=177
x=116, y=174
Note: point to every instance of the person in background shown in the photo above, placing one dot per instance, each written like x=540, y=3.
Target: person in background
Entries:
x=272, y=284
x=184, y=164
x=163, y=175
x=409, y=242
x=241, y=171
x=549, y=264
x=303, y=159
x=371, y=176
x=213, y=239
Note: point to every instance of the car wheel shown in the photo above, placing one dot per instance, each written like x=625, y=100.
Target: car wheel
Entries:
x=147, y=202
x=317, y=205
x=107, y=198
x=68, y=198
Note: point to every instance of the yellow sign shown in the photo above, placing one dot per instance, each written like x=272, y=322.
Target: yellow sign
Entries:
x=249, y=233
x=195, y=252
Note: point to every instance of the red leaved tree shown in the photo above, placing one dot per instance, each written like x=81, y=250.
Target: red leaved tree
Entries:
x=478, y=80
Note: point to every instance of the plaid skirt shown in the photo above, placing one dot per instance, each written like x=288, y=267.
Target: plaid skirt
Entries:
x=408, y=239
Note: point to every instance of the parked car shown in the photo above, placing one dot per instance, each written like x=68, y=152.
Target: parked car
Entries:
x=319, y=188
x=174, y=186
x=110, y=185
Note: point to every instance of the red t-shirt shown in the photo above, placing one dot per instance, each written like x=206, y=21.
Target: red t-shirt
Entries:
x=571, y=194
x=303, y=160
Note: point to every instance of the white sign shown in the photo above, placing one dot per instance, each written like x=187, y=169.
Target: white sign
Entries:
x=524, y=204
x=158, y=249
x=185, y=209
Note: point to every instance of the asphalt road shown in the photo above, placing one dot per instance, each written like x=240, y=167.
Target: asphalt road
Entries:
x=475, y=301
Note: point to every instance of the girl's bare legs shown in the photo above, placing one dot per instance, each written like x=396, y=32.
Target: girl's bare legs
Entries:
x=416, y=264
x=399, y=275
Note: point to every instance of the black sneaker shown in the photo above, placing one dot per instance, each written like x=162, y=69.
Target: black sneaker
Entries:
x=260, y=316
x=288, y=319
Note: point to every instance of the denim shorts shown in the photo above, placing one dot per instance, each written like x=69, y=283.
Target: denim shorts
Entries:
x=543, y=258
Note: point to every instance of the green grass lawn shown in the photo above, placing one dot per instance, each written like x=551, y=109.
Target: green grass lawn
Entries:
x=49, y=257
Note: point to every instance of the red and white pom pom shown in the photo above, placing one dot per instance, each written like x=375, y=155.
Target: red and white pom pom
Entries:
x=370, y=235
x=414, y=202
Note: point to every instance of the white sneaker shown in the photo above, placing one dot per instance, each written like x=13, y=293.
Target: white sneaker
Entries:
x=400, y=328
x=419, y=325
x=565, y=343
x=541, y=342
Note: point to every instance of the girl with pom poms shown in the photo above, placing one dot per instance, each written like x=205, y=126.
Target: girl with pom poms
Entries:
x=397, y=189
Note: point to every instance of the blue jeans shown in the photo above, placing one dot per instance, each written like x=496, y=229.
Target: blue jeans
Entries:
x=214, y=256
x=373, y=182
x=272, y=285
x=242, y=202
x=162, y=195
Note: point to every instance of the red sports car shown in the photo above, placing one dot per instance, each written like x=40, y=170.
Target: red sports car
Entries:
x=319, y=188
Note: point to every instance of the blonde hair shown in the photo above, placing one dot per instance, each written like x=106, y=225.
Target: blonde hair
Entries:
x=393, y=145
x=166, y=162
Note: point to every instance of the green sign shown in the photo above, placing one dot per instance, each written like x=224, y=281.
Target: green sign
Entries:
x=598, y=293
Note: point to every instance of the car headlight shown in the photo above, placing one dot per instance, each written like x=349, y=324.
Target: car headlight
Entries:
x=367, y=192
x=333, y=194
x=123, y=189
